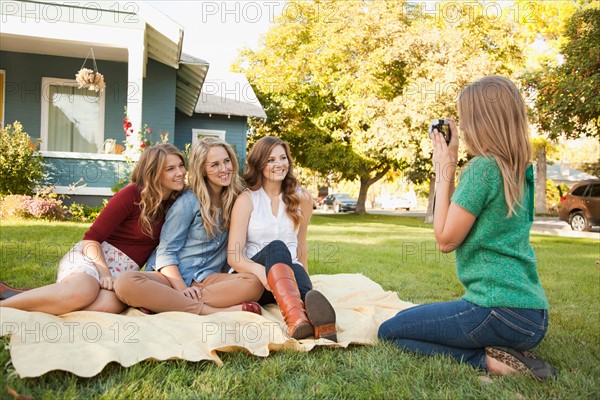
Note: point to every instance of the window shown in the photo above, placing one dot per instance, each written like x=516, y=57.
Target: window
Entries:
x=200, y=133
x=72, y=118
x=595, y=191
x=579, y=191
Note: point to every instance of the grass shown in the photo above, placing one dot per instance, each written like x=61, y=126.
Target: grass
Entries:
x=398, y=253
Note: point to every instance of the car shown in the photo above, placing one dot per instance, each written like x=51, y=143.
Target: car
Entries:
x=580, y=207
x=406, y=201
x=339, y=202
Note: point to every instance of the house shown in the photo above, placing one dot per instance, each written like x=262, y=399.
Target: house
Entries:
x=138, y=50
x=561, y=173
x=225, y=104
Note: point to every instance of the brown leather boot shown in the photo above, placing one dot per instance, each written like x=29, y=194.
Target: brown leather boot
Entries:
x=285, y=289
x=321, y=315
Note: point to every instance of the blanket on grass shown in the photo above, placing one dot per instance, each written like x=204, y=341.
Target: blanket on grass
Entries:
x=84, y=342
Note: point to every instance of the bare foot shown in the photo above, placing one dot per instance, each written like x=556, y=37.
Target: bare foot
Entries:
x=498, y=368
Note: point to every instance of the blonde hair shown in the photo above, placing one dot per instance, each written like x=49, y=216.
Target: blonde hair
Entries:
x=147, y=175
x=493, y=119
x=257, y=159
x=198, y=181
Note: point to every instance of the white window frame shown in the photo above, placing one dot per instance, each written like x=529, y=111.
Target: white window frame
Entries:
x=196, y=133
x=45, y=103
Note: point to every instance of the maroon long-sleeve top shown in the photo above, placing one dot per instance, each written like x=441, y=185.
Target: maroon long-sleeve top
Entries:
x=119, y=224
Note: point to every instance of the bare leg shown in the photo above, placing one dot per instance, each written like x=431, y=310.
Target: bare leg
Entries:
x=107, y=301
x=152, y=290
x=74, y=293
x=224, y=290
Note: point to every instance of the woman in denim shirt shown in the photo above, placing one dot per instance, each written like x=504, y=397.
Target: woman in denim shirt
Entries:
x=186, y=270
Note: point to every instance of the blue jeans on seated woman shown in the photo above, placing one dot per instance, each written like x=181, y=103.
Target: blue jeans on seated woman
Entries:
x=462, y=329
x=277, y=252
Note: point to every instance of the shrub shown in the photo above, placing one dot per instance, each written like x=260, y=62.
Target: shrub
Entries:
x=41, y=206
x=45, y=208
x=83, y=213
x=552, y=196
x=21, y=166
x=13, y=206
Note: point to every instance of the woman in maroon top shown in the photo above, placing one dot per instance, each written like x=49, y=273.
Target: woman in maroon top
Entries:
x=121, y=239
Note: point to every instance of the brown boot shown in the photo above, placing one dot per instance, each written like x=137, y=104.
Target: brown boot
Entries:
x=321, y=315
x=285, y=289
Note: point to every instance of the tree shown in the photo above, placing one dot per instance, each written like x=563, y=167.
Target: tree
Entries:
x=568, y=100
x=352, y=85
x=565, y=98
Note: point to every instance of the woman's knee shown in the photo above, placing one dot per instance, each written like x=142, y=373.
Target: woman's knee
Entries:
x=384, y=332
x=254, y=286
x=108, y=302
x=80, y=292
x=279, y=249
x=127, y=281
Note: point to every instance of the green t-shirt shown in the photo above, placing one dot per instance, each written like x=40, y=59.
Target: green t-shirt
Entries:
x=496, y=263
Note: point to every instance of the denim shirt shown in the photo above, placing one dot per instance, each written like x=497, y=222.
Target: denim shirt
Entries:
x=184, y=242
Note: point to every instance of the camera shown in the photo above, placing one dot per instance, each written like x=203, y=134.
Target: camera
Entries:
x=442, y=126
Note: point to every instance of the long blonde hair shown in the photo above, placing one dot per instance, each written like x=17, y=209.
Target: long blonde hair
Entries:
x=147, y=175
x=493, y=119
x=257, y=159
x=198, y=182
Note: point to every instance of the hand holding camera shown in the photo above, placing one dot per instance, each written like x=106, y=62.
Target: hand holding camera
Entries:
x=448, y=152
x=442, y=126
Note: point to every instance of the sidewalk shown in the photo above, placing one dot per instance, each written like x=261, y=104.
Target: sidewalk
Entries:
x=554, y=226
x=541, y=225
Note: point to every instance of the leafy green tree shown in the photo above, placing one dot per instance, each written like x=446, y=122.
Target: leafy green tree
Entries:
x=353, y=85
x=564, y=96
x=568, y=100
x=21, y=166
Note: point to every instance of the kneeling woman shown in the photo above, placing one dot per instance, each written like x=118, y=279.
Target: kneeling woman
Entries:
x=268, y=239
x=504, y=311
x=192, y=252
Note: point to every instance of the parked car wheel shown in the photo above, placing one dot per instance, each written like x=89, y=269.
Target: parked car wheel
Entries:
x=579, y=222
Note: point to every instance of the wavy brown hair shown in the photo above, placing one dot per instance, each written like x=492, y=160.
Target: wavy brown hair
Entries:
x=257, y=159
x=147, y=175
x=198, y=180
x=493, y=119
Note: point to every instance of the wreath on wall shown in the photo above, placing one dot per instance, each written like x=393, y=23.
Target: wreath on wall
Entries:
x=88, y=78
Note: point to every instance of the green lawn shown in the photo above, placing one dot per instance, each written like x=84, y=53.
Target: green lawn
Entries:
x=398, y=253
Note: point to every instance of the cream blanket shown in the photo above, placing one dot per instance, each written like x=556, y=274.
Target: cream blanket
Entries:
x=84, y=342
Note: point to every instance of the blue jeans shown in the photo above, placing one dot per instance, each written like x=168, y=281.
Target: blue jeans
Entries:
x=277, y=252
x=462, y=329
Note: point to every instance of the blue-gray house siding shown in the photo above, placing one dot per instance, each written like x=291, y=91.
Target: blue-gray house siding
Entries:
x=24, y=73
x=23, y=93
x=235, y=130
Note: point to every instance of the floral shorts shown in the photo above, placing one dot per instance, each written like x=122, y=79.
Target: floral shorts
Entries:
x=75, y=262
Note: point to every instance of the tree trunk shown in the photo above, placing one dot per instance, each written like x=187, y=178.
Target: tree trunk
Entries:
x=365, y=183
x=362, y=196
x=540, y=184
x=430, y=202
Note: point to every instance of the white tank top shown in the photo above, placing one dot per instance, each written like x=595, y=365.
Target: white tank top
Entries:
x=264, y=227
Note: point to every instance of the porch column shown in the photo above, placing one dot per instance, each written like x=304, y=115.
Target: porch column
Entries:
x=136, y=70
